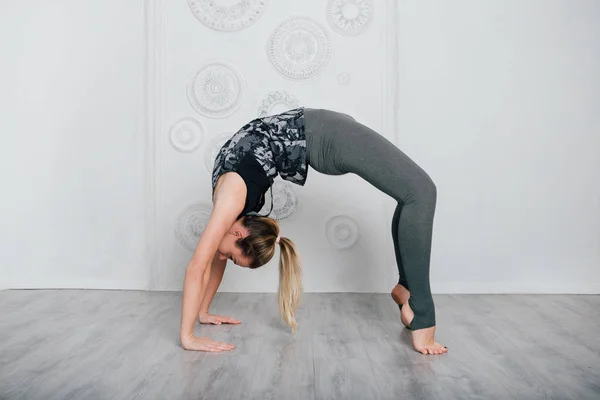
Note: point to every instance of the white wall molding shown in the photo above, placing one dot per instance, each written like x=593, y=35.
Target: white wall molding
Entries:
x=389, y=113
x=154, y=66
x=390, y=93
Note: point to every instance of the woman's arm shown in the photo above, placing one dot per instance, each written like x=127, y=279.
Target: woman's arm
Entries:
x=217, y=269
x=229, y=201
x=216, y=275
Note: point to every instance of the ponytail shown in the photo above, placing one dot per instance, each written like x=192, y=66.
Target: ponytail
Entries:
x=259, y=245
x=290, y=281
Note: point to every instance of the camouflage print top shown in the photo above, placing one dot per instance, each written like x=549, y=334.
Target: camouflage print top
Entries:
x=277, y=142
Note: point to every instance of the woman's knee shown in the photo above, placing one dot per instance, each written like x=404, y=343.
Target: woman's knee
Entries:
x=429, y=189
x=423, y=189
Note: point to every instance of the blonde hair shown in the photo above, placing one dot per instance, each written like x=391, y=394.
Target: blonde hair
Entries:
x=259, y=245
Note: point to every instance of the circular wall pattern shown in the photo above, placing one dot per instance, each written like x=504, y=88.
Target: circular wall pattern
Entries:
x=212, y=149
x=277, y=102
x=343, y=79
x=216, y=89
x=342, y=231
x=299, y=48
x=285, y=201
x=186, y=135
x=350, y=17
x=190, y=224
x=228, y=15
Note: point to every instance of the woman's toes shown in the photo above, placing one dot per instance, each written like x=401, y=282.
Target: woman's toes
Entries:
x=434, y=349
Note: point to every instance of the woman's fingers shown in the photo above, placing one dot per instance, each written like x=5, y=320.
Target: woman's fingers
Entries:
x=217, y=319
x=206, y=344
x=226, y=320
x=222, y=346
x=217, y=348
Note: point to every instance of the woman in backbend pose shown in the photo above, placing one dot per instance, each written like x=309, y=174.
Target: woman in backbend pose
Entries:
x=286, y=144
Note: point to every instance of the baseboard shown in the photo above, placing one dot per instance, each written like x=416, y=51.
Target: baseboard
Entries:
x=83, y=284
x=436, y=288
x=516, y=288
x=474, y=288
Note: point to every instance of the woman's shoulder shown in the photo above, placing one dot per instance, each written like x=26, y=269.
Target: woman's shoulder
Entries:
x=229, y=184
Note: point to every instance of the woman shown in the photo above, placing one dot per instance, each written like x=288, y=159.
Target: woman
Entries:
x=286, y=144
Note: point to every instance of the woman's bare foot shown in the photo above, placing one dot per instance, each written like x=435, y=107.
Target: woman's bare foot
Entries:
x=423, y=339
x=401, y=295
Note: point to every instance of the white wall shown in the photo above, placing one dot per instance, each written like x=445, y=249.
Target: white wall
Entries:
x=498, y=101
x=72, y=144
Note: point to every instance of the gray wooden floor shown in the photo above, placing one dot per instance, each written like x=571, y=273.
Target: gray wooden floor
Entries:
x=91, y=344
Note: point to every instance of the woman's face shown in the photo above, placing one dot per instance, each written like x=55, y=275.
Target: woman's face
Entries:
x=228, y=248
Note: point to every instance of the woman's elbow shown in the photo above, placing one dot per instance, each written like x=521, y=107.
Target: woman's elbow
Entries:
x=195, y=270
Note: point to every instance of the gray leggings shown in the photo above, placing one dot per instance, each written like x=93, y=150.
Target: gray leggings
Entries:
x=337, y=144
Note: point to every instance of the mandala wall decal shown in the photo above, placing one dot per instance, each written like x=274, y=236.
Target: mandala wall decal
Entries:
x=216, y=89
x=285, y=201
x=343, y=79
x=299, y=48
x=342, y=231
x=228, y=15
x=277, y=102
x=350, y=17
x=190, y=224
x=186, y=135
x=212, y=149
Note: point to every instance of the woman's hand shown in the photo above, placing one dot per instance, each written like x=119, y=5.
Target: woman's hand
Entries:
x=216, y=319
x=205, y=344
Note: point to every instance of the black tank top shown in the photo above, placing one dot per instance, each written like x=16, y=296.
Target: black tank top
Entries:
x=257, y=183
